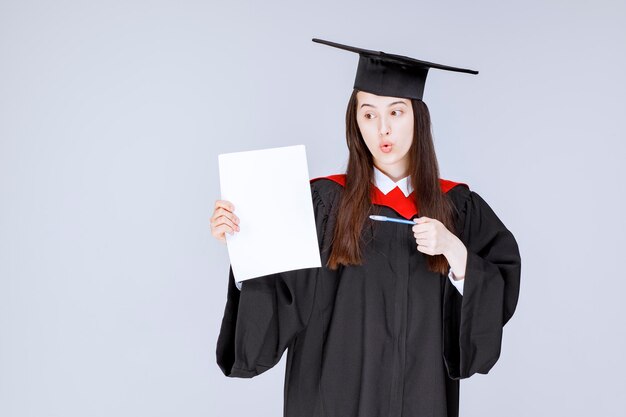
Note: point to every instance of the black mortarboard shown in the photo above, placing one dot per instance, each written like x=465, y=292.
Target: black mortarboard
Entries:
x=391, y=75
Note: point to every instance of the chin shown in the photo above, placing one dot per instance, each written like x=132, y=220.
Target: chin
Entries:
x=388, y=159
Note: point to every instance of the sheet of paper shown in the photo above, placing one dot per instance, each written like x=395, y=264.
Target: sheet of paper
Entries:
x=271, y=192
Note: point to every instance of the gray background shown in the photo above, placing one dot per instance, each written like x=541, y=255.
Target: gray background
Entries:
x=112, y=115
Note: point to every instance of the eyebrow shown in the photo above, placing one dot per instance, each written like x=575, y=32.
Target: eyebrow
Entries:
x=390, y=104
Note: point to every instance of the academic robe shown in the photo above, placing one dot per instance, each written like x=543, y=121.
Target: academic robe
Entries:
x=387, y=338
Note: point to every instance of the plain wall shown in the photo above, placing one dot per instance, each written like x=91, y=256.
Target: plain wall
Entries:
x=112, y=115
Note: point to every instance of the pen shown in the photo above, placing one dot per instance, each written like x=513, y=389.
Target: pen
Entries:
x=391, y=219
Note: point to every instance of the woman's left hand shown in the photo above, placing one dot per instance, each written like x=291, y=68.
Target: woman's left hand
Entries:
x=432, y=237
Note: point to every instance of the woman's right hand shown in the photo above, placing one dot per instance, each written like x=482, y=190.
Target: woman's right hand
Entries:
x=224, y=220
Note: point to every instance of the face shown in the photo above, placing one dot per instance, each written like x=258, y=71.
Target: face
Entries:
x=386, y=124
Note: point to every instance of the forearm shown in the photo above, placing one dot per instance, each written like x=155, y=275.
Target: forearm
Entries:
x=456, y=255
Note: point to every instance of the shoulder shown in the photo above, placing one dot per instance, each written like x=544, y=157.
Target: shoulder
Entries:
x=328, y=187
x=466, y=199
x=327, y=190
x=458, y=192
x=334, y=181
x=472, y=207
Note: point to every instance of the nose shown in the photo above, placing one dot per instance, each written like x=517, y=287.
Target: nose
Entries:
x=384, y=128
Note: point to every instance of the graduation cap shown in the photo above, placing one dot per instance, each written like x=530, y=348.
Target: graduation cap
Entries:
x=392, y=75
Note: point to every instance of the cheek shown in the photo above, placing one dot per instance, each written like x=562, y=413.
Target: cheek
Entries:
x=407, y=132
x=369, y=135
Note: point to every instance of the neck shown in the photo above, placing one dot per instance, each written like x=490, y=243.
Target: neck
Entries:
x=395, y=173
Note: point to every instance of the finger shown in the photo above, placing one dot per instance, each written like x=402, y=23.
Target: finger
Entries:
x=219, y=211
x=220, y=231
x=424, y=245
x=423, y=226
x=420, y=230
x=224, y=204
x=227, y=221
x=230, y=218
x=227, y=214
x=424, y=249
x=222, y=207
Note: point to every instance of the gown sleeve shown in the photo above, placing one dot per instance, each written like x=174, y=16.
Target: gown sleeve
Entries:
x=262, y=319
x=473, y=322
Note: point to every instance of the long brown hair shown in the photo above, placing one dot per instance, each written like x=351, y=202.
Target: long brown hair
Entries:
x=355, y=205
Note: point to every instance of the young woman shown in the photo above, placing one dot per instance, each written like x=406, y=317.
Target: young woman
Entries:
x=398, y=313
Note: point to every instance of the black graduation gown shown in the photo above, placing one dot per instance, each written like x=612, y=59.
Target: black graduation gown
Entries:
x=387, y=338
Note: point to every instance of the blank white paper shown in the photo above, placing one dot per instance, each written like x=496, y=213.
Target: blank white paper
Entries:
x=271, y=192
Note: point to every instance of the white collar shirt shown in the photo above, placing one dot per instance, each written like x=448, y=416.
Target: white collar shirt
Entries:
x=386, y=184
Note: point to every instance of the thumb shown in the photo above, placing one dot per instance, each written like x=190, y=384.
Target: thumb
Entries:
x=419, y=220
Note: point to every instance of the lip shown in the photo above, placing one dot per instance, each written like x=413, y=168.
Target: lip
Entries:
x=385, y=148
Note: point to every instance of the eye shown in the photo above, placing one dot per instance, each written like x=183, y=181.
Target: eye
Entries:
x=368, y=115
x=397, y=111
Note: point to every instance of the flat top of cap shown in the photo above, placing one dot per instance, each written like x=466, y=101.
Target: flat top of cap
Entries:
x=400, y=59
